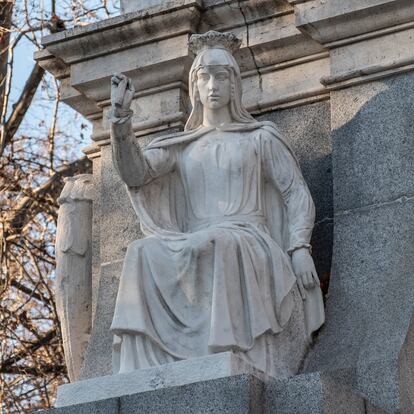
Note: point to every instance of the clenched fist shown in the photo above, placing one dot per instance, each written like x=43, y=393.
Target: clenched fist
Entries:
x=122, y=92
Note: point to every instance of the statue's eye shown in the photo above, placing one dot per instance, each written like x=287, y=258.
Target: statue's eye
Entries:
x=221, y=76
x=203, y=76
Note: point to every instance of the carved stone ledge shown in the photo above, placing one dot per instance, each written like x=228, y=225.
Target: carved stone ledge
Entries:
x=120, y=33
x=368, y=39
x=334, y=20
x=373, y=58
x=151, y=48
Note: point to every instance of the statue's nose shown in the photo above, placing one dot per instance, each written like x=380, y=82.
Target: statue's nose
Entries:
x=212, y=85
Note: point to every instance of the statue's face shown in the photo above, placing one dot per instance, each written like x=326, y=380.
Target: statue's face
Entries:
x=214, y=87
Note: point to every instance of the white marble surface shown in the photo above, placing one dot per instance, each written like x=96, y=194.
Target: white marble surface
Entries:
x=220, y=365
x=228, y=219
x=73, y=269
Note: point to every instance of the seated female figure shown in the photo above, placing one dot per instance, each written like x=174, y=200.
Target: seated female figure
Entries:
x=226, y=263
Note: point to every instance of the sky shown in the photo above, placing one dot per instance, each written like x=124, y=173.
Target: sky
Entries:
x=38, y=118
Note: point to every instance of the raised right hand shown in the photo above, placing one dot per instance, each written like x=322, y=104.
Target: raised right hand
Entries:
x=122, y=92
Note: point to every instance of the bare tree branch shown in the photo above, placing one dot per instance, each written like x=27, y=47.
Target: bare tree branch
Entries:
x=20, y=108
x=52, y=187
x=34, y=141
x=6, y=12
x=38, y=371
x=29, y=350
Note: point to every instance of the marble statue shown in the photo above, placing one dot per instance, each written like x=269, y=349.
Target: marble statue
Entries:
x=73, y=269
x=226, y=262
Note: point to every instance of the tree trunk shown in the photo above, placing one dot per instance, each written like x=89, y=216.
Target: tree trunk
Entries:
x=6, y=12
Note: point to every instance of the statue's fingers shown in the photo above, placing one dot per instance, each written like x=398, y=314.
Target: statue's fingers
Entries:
x=120, y=76
x=119, y=99
x=312, y=280
x=129, y=95
x=116, y=78
x=316, y=278
x=305, y=279
x=114, y=93
x=302, y=291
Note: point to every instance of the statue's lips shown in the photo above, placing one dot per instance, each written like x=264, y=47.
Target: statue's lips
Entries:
x=214, y=97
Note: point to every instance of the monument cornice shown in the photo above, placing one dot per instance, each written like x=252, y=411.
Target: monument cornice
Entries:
x=367, y=39
x=121, y=32
x=336, y=20
x=151, y=48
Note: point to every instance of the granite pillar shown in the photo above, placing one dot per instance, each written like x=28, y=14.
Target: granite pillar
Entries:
x=371, y=297
x=363, y=344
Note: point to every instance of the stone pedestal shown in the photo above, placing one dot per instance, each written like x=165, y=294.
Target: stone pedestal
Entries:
x=246, y=393
x=337, y=76
x=174, y=374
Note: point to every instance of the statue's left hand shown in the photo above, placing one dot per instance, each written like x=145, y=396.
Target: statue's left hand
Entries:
x=305, y=271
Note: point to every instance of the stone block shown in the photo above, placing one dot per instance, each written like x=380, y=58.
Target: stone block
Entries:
x=179, y=373
x=373, y=149
x=331, y=21
x=370, y=302
x=240, y=394
x=128, y=6
x=119, y=224
x=98, y=359
x=406, y=372
x=311, y=394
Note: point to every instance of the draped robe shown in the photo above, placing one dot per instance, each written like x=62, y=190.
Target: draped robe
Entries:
x=221, y=209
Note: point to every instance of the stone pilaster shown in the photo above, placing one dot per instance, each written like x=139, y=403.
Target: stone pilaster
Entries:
x=371, y=296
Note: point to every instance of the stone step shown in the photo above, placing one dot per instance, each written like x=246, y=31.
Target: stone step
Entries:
x=241, y=394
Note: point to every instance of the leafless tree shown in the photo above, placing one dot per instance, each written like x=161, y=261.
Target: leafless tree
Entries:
x=39, y=146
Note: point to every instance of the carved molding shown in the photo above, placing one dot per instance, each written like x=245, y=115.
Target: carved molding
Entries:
x=154, y=54
x=334, y=20
x=367, y=39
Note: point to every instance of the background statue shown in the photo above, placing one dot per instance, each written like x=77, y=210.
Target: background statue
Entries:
x=226, y=264
x=73, y=269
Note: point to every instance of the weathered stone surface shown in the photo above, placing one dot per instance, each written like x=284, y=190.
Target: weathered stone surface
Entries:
x=179, y=373
x=373, y=126
x=155, y=55
x=329, y=21
x=119, y=225
x=73, y=251
x=243, y=393
x=98, y=358
x=370, y=301
x=301, y=394
x=128, y=6
x=240, y=394
x=406, y=372
x=311, y=394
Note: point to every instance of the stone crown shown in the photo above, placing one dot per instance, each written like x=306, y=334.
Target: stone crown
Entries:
x=214, y=40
